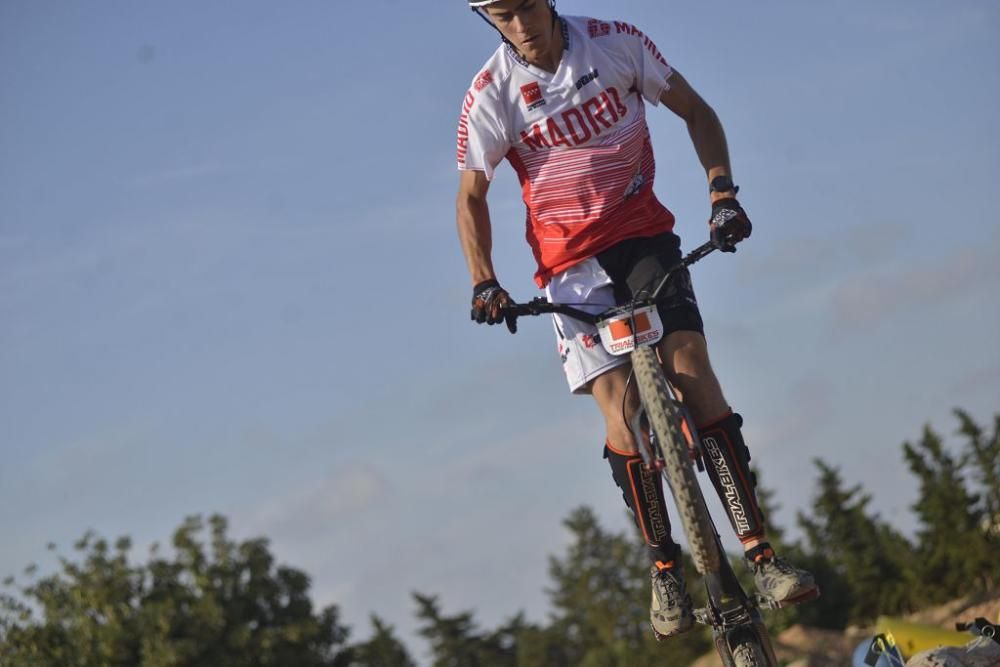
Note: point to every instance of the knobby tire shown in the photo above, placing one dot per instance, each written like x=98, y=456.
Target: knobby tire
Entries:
x=665, y=420
x=749, y=654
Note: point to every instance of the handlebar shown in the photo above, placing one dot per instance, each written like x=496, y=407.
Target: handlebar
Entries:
x=541, y=306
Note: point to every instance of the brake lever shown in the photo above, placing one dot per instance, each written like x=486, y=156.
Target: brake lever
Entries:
x=981, y=628
x=510, y=318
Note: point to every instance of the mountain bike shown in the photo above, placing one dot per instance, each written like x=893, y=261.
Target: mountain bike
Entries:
x=673, y=448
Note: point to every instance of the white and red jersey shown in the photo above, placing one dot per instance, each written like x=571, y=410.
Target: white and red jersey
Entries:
x=577, y=139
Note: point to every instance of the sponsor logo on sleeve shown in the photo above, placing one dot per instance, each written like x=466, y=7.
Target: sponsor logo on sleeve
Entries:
x=483, y=80
x=597, y=28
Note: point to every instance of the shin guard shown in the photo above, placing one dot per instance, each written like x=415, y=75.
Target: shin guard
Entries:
x=643, y=493
x=728, y=462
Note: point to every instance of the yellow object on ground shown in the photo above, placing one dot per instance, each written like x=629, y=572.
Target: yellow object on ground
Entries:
x=912, y=638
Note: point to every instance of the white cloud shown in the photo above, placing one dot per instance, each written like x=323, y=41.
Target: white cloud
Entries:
x=978, y=381
x=870, y=296
x=340, y=496
x=812, y=398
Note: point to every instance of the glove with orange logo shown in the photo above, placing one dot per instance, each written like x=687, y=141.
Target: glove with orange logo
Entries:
x=488, y=300
x=729, y=224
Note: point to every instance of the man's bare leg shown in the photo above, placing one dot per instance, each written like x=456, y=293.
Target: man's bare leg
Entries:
x=608, y=390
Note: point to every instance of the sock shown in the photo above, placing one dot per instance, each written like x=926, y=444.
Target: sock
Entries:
x=761, y=552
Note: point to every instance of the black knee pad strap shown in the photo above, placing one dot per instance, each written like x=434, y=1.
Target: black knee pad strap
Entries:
x=643, y=493
x=728, y=464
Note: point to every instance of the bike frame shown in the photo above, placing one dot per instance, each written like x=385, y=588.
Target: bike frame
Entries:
x=731, y=612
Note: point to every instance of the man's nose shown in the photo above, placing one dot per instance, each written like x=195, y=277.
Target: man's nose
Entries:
x=518, y=24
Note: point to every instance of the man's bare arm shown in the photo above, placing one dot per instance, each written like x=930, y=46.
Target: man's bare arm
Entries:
x=474, y=231
x=704, y=127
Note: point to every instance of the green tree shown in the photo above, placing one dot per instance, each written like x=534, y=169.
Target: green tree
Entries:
x=542, y=645
x=859, y=552
x=984, y=453
x=600, y=595
x=457, y=642
x=382, y=649
x=831, y=610
x=956, y=551
x=224, y=603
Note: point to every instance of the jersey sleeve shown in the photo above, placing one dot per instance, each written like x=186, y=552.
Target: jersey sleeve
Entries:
x=482, y=141
x=652, y=70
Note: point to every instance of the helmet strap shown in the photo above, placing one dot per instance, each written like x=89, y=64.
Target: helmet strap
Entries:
x=478, y=12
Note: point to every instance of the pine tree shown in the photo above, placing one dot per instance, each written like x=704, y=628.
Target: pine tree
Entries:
x=984, y=452
x=600, y=595
x=457, y=642
x=955, y=551
x=866, y=554
x=382, y=649
x=831, y=610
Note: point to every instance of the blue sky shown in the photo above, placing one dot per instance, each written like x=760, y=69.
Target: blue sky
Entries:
x=229, y=278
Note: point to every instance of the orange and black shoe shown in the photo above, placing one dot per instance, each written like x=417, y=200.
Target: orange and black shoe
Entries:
x=671, y=611
x=779, y=581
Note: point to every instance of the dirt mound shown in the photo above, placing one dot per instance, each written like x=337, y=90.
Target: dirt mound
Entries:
x=979, y=605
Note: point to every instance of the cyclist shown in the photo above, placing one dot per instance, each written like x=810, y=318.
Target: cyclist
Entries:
x=563, y=100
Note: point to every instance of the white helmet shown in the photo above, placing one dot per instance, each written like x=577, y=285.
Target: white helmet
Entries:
x=482, y=3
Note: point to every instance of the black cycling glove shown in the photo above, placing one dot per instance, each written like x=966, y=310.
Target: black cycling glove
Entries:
x=729, y=224
x=488, y=300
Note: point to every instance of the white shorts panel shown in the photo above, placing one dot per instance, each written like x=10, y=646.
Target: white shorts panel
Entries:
x=588, y=287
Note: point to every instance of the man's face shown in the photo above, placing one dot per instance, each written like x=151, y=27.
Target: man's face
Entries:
x=527, y=24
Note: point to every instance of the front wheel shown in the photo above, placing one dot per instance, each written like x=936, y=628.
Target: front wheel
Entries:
x=665, y=419
x=748, y=653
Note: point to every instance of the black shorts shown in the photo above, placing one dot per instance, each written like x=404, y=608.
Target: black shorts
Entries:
x=636, y=266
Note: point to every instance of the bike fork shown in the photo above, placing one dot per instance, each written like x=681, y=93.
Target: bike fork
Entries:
x=732, y=614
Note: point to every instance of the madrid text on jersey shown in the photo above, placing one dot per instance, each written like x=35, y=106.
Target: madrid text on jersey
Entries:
x=630, y=29
x=603, y=110
x=484, y=79
x=463, y=126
